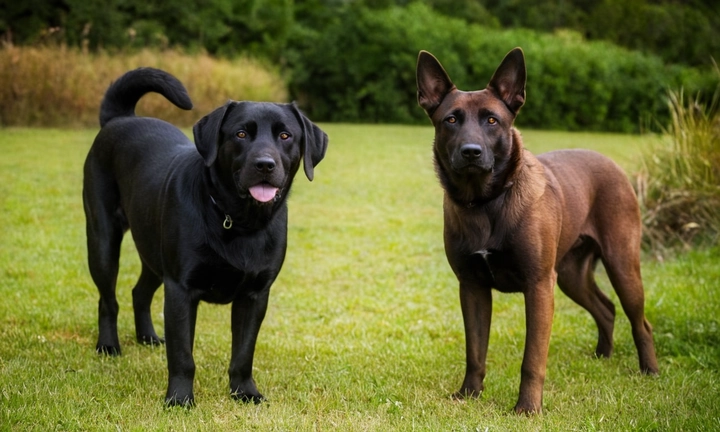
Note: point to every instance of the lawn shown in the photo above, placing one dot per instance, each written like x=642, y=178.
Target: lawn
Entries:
x=363, y=331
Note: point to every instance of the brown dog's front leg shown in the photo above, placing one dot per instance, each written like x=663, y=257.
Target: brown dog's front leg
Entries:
x=539, y=309
x=476, y=304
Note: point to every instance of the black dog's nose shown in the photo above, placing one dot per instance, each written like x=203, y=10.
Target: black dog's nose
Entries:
x=264, y=164
x=471, y=151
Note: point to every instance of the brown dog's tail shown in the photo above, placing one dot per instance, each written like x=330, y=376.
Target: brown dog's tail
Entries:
x=122, y=96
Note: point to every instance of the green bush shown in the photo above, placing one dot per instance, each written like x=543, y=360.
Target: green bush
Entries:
x=361, y=67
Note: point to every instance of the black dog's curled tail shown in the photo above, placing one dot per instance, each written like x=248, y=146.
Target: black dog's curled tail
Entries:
x=122, y=96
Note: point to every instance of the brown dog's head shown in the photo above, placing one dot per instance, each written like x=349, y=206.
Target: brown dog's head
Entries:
x=473, y=130
x=256, y=148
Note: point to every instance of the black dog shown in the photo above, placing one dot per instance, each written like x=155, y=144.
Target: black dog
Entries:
x=209, y=221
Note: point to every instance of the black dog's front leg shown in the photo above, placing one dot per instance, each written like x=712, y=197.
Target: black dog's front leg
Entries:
x=248, y=312
x=180, y=316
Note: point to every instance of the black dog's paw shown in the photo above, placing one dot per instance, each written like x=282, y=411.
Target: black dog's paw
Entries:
x=108, y=350
x=182, y=402
x=242, y=396
x=152, y=340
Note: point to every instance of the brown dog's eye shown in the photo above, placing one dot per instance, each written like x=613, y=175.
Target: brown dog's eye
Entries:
x=284, y=136
x=241, y=134
x=451, y=119
x=492, y=120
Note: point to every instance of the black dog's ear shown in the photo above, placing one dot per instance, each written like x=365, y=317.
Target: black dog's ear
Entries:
x=314, y=142
x=433, y=83
x=207, y=131
x=508, y=81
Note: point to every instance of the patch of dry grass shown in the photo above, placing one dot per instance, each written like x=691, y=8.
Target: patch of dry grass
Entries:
x=63, y=87
x=679, y=185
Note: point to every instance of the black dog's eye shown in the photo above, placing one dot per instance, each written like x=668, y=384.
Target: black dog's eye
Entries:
x=451, y=119
x=284, y=136
x=492, y=120
x=241, y=134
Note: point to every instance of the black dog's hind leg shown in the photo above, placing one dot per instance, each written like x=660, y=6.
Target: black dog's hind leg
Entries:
x=143, y=294
x=105, y=227
x=248, y=312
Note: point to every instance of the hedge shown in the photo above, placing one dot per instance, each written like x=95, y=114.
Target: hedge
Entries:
x=361, y=67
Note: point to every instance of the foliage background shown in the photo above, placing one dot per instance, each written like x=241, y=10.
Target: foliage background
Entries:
x=594, y=65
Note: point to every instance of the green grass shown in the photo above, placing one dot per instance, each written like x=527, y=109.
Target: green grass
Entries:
x=363, y=331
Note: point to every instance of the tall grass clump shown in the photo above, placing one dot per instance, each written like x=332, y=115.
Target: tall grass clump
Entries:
x=60, y=86
x=679, y=185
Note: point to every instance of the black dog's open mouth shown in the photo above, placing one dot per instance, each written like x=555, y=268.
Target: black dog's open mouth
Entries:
x=264, y=192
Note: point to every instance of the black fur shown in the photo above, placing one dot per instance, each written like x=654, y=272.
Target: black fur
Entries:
x=197, y=227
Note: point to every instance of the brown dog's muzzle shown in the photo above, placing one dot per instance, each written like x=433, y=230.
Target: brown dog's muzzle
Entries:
x=473, y=157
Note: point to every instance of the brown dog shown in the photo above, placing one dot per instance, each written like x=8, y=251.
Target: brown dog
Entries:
x=518, y=223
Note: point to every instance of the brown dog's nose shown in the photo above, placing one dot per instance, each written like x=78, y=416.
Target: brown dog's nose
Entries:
x=264, y=164
x=471, y=151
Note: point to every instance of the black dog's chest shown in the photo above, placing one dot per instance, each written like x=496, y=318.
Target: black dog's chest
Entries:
x=219, y=279
x=216, y=283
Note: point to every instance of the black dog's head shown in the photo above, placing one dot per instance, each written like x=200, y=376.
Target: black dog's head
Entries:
x=473, y=130
x=258, y=146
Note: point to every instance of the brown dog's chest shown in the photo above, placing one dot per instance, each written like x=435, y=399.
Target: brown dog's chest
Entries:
x=485, y=247
x=499, y=269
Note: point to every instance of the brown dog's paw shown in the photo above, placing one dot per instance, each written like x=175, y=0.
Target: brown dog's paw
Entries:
x=527, y=409
x=650, y=370
x=466, y=393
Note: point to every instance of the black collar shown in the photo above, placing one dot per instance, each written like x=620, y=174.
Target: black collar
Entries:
x=228, y=222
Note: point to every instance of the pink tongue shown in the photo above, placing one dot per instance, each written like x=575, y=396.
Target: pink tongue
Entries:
x=263, y=192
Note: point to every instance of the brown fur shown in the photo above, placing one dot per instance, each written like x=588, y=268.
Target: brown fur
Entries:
x=520, y=223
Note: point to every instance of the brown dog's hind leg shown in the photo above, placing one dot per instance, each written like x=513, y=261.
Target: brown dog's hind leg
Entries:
x=576, y=278
x=623, y=269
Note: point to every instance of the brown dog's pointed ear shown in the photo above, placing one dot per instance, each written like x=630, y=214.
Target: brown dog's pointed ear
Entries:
x=207, y=131
x=433, y=83
x=314, y=143
x=508, y=81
